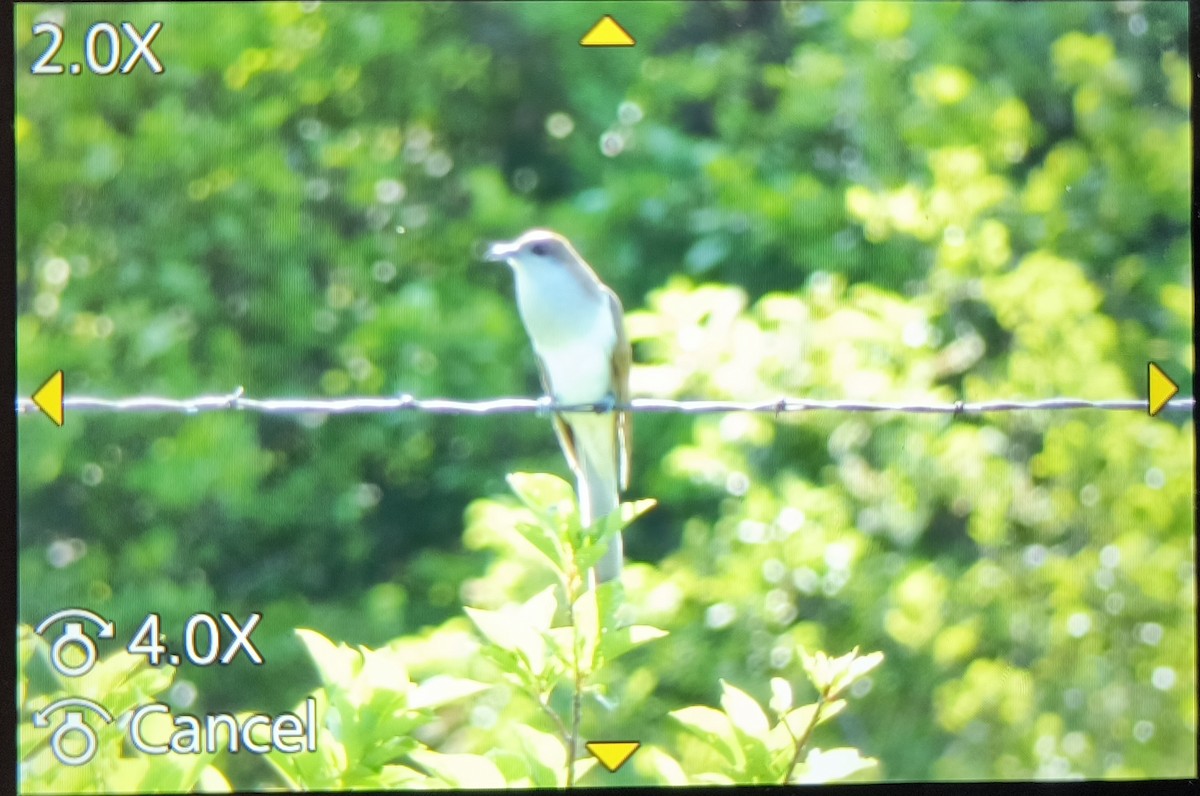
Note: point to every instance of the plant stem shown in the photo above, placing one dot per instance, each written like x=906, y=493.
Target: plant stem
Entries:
x=802, y=741
x=577, y=697
x=545, y=706
x=577, y=710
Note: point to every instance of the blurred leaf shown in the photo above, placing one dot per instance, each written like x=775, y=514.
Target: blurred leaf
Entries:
x=460, y=770
x=833, y=765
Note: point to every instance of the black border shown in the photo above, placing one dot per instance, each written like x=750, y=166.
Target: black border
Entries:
x=8, y=419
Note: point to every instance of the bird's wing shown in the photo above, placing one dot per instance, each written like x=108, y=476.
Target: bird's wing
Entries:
x=622, y=361
x=566, y=438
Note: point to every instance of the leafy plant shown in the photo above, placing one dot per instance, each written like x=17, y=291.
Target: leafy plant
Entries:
x=378, y=727
x=541, y=658
x=372, y=715
x=753, y=750
x=118, y=683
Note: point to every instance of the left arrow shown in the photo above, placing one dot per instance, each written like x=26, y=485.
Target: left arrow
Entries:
x=49, y=398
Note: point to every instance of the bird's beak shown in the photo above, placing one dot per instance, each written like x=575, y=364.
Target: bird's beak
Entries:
x=500, y=252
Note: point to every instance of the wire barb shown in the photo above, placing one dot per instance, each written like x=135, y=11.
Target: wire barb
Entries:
x=238, y=401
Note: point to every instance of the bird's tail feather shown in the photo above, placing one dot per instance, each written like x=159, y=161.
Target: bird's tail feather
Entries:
x=598, y=480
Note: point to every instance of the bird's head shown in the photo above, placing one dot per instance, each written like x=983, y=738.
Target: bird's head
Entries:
x=537, y=248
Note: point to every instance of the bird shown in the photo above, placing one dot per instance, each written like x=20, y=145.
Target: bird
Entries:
x=576, y=325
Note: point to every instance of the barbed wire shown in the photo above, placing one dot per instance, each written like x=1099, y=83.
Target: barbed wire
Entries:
x=239, y=401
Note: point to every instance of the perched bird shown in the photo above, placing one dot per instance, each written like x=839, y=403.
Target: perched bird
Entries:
x=577, y=328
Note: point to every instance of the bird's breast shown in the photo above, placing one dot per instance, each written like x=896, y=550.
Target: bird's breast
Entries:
x=579, y=370
x=556, y=304
x=573, y=333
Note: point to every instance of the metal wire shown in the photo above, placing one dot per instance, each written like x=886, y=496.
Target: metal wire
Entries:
x=239, y=401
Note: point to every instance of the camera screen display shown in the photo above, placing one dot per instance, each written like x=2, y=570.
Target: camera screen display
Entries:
x=459, y=395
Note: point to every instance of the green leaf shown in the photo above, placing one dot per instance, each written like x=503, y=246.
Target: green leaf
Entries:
x=781, y=695
x=590, y=549
x=831, y=766
x=515, y=766
x=817, y=668
x=396, y=777
x=509, y=630
x=752, y=726
x=545, y=755
x=857, y=667
x=120, y=681
x=616, y=636
x=543, y=538
x=831, y=676
x=586, y=613
x=538, y=611
x=617, y=642
x=633, y=509
x=335, y=663
x=713, y=727
x=714, y=778
x=743, y=712
x=382, y=675
x=593, y=541
x=794, y=723
x=28, y=644
x=660, y=764
x=547, y=496
x=559, y=641
x=514, y=667
x=583, y=765
x=460, y=770
x=212, y=781
x=441, y=690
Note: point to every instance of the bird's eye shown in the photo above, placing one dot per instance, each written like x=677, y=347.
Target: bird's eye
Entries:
x=539, y=249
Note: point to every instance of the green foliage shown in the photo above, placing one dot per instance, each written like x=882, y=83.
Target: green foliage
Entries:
x=375, y=723
x=119, y=683
x=751, y=750
x=371, y=712
x=866, y=201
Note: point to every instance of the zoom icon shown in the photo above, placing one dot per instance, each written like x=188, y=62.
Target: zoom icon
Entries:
x=73, y=637
x=72, y=725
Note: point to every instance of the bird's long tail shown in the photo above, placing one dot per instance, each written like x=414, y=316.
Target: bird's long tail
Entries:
x=598, y=482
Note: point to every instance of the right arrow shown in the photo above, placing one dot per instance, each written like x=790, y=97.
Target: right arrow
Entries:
x=1162, y=389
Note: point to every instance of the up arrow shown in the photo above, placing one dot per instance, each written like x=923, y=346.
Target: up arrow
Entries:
x=607, y=33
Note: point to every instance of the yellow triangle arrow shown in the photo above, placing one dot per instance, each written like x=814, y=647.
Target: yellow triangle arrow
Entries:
x=613, y=754
x=1162, y=389
x=607, y=33
x=48, y=398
